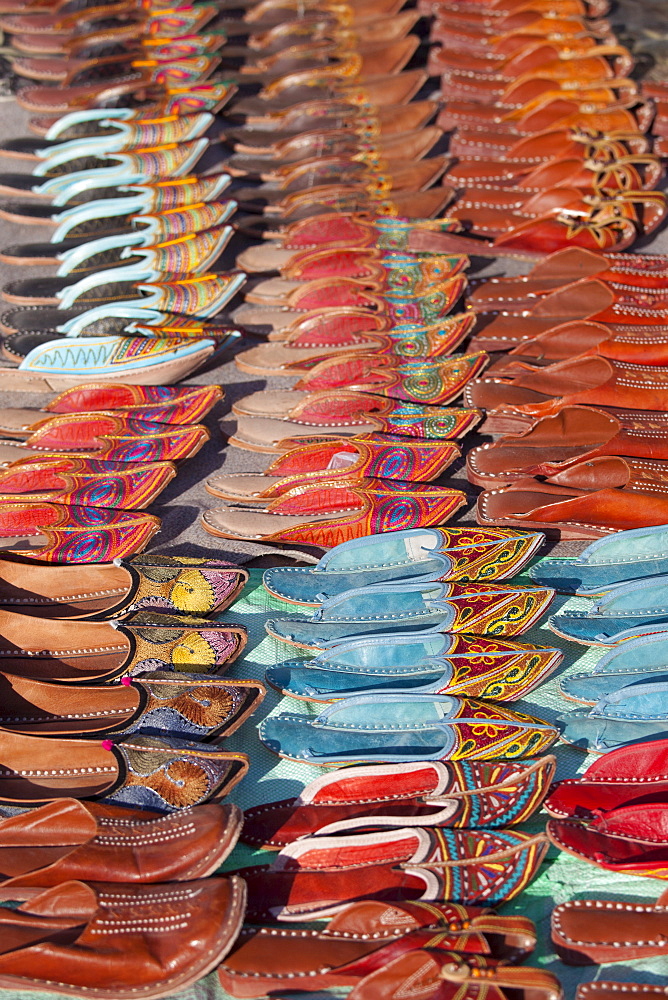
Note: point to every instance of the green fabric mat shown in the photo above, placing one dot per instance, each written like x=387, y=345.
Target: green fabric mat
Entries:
x=561, y=877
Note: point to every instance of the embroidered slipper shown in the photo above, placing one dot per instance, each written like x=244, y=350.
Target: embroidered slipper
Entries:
x=334, y=512
x=277, y=322
x=393, y=274
x=377, y=727
x=341, y=230
x=474, y=608
x=434, y=384
x=504, y=672
x=440, y=793
x=63, y=364
x=453, y=554
x=303, y=350
x=107, y=591
x=141, y=165
x=157, y=404
x=354, y=458
x=80, y=255
x=59, y=534
x=331, y=414
x=144, y=642
x=112, y=133
x=133, y=489
x=92, y=432
x=476, y=868
x=105, y=217
x=184, y=404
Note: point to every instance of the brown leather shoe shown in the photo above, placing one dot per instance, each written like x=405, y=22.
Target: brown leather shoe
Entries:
x=119, y=942
x=68, y=839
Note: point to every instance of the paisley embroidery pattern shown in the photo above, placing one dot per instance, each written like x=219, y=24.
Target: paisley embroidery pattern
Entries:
x=502, y=677
x=118, y=490
x=78, y=534
x=89, y=431
x=495, y=609
x=429, y=422
x=201, y=586
x=429, y=307
x=393, y=233
x=168, y=445
x=167, y=774
x=491, y=554
x=167, y=643
x=374, y=510
x=436, y=384
x=407, y=274
x=193, y=710
x=411, y=340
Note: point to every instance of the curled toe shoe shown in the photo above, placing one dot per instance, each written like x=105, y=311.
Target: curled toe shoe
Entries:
x=423, y=554
x=403, y=726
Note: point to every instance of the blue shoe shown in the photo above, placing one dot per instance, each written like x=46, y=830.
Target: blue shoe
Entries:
x=639, y=659
x=477, y=608
x=436, y=664
x=636, y=712
x=418, y=554
x=624, y=556
x=624, y=612
x=402, y=726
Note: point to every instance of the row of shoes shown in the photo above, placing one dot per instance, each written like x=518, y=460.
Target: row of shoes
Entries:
x=437, y=816
x=624, y=579
x=547, y=127
x=131, y=231
x=614, y=817
x=112, y=679
x=410, y=654
x=77, y=474
x=577, y=404
x=116, y=899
